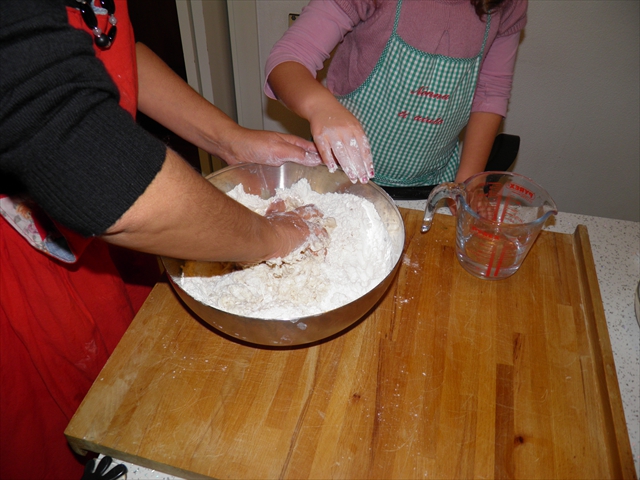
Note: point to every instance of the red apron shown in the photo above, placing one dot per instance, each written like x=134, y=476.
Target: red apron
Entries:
x=59, y=322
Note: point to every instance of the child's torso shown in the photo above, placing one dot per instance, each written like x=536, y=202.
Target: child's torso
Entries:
x=449, y=28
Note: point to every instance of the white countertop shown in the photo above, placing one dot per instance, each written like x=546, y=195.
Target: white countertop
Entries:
x=616, y=251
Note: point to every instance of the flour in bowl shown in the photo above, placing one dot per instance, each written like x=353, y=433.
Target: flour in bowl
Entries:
x=359, y=255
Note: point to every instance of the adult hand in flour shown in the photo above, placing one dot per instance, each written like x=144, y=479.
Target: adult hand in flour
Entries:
x=299, y=226
x=339, y=136
x=268, y=148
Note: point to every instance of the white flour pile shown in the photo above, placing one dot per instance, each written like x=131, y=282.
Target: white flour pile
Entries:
x=307, y=282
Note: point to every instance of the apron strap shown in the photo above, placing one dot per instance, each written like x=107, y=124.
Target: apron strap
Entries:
x=397, y=19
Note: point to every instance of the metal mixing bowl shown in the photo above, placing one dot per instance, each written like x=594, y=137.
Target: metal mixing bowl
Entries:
x=263, y=180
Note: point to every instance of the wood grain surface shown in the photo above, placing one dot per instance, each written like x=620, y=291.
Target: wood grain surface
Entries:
x=449, y=376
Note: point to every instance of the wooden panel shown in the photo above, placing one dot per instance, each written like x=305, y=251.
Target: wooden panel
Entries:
x=448, y=377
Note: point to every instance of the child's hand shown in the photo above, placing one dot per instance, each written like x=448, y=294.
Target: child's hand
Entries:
x=339, y=136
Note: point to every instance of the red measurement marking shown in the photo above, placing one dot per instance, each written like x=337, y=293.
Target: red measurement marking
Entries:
x=496, y=270
x=483, y=234
x=493, y=254
x=502, y=254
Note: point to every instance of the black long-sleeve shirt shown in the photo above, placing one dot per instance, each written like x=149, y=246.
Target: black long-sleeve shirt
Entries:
x=63, y=137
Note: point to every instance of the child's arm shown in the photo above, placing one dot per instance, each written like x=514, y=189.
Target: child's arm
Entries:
x=478, y=140
x=489, y=105
x=336, y=132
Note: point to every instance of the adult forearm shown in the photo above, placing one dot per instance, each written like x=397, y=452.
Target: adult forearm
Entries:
x=478, y=140
x=182, y=215
x=168, y=99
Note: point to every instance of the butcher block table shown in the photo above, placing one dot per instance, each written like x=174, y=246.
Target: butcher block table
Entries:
x=449, y=376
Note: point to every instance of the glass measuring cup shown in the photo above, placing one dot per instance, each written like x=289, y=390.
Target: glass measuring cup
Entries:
x=498, y=218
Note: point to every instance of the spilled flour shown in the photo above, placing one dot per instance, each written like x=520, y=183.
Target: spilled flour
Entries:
x=308, y=281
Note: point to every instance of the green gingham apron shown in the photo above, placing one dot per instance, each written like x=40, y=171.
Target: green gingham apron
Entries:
x=412, y=107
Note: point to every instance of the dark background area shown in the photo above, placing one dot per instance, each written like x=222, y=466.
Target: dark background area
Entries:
x=155, y=24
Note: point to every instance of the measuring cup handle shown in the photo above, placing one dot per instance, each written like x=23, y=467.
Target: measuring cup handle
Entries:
x=442, y=191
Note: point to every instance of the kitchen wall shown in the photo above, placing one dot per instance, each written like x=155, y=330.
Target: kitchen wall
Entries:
x=575, y=101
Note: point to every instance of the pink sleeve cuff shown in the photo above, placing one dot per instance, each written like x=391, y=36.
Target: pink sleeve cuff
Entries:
x=496, y=76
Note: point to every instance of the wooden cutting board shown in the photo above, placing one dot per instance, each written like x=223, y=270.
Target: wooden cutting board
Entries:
x=449, y=376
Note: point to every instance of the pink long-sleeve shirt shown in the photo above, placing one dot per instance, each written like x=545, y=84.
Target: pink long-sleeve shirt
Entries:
x=361, y=29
